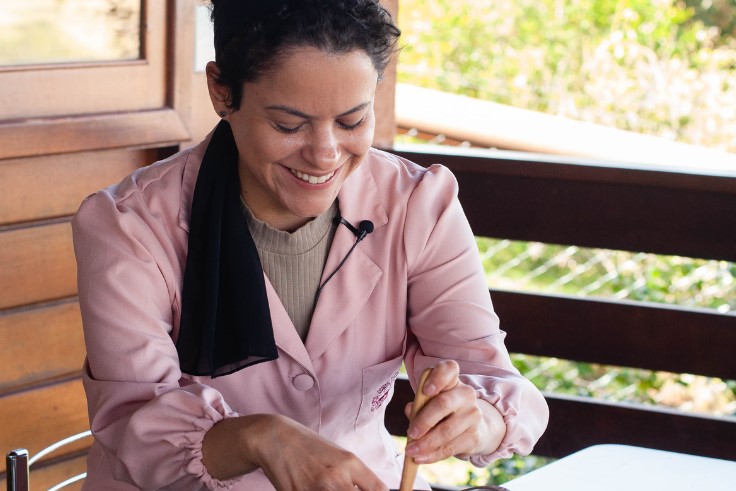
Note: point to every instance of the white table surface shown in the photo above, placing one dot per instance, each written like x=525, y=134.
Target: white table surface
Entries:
x=625, y=468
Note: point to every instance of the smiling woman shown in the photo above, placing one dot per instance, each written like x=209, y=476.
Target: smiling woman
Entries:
x=237, y=335
x=300, y=134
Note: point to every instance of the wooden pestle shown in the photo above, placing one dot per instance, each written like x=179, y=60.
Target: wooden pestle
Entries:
x=409, y=472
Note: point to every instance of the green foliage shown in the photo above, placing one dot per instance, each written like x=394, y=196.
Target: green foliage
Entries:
x=651, y=66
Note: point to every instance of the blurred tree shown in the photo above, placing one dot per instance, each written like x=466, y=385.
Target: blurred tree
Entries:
x=717, y=13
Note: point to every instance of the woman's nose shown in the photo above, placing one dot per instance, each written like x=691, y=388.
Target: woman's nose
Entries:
x=323, y=150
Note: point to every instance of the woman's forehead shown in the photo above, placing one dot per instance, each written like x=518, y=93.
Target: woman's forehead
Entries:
x=315, y=82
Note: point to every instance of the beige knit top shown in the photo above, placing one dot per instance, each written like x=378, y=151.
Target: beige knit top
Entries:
x=293, y=261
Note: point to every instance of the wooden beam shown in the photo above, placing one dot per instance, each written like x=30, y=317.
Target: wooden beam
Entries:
x=634, y=208
x=386, y=94
x=30, y=138
x=38, y=264
x=621, y=333
x=578, y=422
x=52, y=186
x=39, y=344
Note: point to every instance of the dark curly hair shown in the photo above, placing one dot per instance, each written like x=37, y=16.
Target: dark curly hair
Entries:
x=250, y=35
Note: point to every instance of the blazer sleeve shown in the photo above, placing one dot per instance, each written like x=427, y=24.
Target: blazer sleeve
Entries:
x=450, y=314
x=149, y=421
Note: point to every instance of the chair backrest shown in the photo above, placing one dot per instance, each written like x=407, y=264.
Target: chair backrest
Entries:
x=18, y=464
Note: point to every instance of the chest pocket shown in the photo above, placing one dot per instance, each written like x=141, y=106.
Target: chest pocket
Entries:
x=377, y=390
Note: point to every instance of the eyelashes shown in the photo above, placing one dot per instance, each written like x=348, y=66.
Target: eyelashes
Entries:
x=354, y=126
x=284, y=129
x=348, y=127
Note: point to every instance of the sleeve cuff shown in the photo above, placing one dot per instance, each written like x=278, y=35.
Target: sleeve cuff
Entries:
x=518, y=439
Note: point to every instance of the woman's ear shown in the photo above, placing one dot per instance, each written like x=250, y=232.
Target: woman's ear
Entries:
x=219, y=93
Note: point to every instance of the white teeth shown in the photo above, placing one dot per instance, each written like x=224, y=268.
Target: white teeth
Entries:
x=312, y=179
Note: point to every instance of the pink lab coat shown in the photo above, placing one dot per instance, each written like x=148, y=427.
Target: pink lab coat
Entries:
x=412, y=291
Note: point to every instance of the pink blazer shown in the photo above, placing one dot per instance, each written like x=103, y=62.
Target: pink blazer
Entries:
x=412, y=291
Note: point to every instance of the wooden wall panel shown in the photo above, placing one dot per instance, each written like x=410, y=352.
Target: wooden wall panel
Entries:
x=34, y=419
x=155, y=128
x=38, y=264
x=40, y=344
x=54, y=186
x=82, y=129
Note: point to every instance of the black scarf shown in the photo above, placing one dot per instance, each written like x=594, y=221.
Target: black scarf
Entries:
x=225, y=319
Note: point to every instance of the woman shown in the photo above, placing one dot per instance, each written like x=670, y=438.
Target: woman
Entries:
x=247, y=303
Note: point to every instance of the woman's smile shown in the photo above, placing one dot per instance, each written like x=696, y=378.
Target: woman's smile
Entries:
x=310, y=178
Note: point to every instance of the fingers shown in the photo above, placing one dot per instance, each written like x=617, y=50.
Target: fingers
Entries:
x=460, y=399
x=458, y=434
x=309, y=462
x=451, y=422
x=361, y=476
x=444, y=376
x=340, y=471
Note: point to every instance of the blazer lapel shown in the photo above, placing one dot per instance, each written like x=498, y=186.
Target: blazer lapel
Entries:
x=284, y=332
x=348, y=291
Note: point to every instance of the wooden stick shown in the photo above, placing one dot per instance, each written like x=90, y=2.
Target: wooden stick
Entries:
x=409, y=472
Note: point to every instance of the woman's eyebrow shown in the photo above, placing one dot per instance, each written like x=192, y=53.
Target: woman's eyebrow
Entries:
x=299, y=114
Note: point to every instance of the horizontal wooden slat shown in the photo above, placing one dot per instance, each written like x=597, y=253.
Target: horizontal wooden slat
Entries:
x=36, y=418
x=633, y=334
x=578, y=422
x=38, y=188
x=40, y=344
x=38, y=264
x=154, y=128
x=644, y=209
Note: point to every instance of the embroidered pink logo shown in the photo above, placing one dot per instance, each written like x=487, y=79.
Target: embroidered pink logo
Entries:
x=382, y=393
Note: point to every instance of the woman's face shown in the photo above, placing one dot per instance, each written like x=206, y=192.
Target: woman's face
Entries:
x=302, y=129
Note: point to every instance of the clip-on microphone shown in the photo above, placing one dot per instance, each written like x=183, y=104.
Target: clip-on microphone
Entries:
x=364, y=228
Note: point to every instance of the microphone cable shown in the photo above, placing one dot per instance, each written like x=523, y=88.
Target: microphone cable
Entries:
x=364, y=228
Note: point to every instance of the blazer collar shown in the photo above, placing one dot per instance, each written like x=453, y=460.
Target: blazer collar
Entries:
x=348, y=291
x=360, y=198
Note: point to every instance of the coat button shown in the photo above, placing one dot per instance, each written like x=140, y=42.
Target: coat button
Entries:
x=303, y=381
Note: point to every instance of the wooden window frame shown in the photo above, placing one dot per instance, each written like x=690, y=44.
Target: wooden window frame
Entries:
x=60, y=108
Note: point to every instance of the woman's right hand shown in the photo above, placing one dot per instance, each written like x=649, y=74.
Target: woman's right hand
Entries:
x=292, y=456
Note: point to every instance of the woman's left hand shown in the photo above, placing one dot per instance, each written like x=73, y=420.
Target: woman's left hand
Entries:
x=453, y=421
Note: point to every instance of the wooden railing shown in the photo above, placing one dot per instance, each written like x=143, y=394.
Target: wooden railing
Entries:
x=650, y=209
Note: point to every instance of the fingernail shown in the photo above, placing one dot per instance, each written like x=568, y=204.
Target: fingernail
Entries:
x=421, y=459
x=411, y=449
x=429, y=389
x=412, y=433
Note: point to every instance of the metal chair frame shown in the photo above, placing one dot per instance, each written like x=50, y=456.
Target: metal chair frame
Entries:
x=18, y=464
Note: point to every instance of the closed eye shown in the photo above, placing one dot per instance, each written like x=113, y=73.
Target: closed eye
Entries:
x=354, y=126
x=287, y=129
